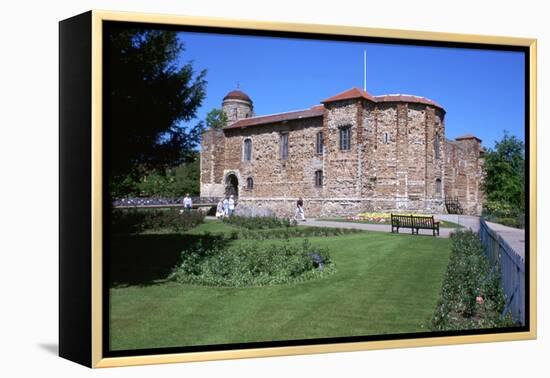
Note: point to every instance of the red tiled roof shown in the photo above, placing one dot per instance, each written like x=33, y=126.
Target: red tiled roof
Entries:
x=316, y=111
x=237, y=95
x=467, y=136
x=359, y=93
x=406, y=98
x=349, y=94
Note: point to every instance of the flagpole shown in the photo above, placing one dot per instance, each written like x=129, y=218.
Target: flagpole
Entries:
x=365, y=70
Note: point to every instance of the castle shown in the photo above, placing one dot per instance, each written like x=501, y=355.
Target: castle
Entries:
x=354, y=152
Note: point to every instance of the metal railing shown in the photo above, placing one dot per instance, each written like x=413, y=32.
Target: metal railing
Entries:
x=453, y=206
x=512, y=270
x=151, y=202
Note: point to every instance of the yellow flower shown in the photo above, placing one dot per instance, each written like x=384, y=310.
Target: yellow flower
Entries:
x=374, y=215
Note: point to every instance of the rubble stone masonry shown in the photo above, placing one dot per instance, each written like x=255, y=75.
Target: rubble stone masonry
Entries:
x=391, y=163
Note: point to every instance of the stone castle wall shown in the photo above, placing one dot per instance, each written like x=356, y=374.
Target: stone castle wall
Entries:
x=274, y=177
x=237, y=109
x=464, y=174
x=212, y=163
x=391, y=164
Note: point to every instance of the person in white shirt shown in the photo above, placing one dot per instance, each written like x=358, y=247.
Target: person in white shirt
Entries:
x=187, y=202
x=300, y=209
x=219, y=210
x=231, y=204
x=226, y=206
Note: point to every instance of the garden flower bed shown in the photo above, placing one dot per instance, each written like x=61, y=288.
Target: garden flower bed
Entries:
x=381, y=218
x=253, y=264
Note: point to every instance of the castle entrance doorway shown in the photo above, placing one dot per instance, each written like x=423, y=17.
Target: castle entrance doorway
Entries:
x=231, y=185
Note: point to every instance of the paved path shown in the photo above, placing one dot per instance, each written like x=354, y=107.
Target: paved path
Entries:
x=468, y=221
x=515, y=237
x=443, y=232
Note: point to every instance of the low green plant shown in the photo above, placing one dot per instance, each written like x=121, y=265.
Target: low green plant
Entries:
x=293, y=232
x=139, y=220
x=259, y=223
x=253, y=264
x=472, y=296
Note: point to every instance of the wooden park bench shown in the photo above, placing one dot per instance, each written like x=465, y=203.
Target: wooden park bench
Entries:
x=414, y=222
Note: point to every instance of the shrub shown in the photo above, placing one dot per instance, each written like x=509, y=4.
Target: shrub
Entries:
x=253, y=264
x=258, y=223
x=505, y=214
x=140, y=220
x=293, y=232
x=469, y=277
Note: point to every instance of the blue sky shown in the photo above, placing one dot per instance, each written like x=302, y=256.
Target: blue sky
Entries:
x=481, y=90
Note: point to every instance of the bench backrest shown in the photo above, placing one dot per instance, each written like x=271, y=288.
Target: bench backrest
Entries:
x=412, y=221
x=402, y=220
x=424, y=222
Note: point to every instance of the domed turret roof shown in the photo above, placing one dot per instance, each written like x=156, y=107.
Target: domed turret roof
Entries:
x=237, y=94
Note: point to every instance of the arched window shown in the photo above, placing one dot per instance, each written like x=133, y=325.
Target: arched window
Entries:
x=231, y=185
x=436, y=145
x=247, y=150
x=319, y=143
x=319, y=178
x=386, y=138
x=249, y=183
x=438, y=187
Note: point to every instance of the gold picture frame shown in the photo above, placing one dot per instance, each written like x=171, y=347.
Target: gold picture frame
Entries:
x=90, y=235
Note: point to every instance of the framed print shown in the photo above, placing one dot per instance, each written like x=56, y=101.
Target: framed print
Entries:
x=234, y=189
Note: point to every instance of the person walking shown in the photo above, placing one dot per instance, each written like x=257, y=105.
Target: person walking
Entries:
x=300, y=209
x=219, y=210
x=231, y=204
x=226, y=206
x=187, y=203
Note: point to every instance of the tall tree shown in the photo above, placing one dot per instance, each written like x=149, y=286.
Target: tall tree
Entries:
x=505, y=173
x=175, y=183
x=216, y=119
x=150, y=95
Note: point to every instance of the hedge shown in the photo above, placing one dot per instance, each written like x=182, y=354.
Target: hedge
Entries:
x=139, y=220
x=472, y=296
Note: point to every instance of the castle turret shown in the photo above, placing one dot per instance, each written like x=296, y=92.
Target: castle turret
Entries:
x=237, y=105
x=464, y=173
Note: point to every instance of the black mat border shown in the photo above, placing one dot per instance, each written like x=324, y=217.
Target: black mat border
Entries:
x=107, y=25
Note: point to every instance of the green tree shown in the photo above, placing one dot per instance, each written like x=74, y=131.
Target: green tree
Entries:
x=151, y=94
x=175, y=182
x=504, y=182
x=216, y=119
x=187, y=178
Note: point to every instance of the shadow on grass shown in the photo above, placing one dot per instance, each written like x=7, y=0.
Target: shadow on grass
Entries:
x=136, y=259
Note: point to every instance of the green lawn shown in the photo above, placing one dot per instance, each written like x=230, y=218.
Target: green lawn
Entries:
x=384, y=283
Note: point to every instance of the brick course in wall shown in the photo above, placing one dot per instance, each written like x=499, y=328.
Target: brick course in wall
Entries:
x=391, y=164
